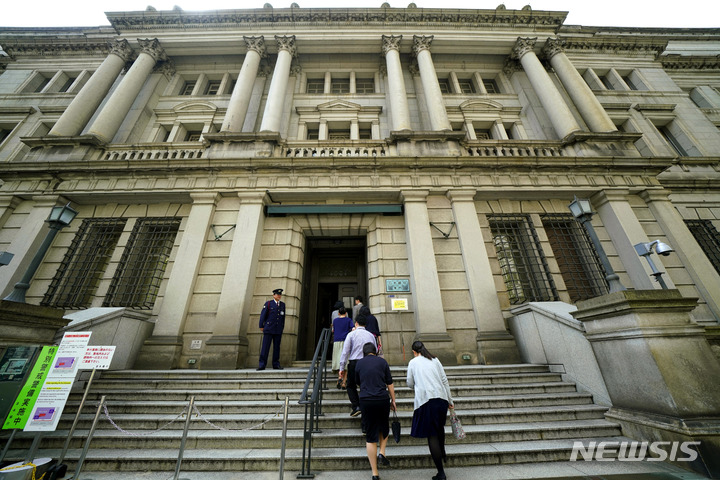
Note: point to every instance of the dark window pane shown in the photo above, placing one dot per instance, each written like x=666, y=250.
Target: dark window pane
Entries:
x=708, y=238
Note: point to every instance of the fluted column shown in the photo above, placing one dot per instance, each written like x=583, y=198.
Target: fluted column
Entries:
x=88, y=99
x=429, y=313
x=428, y=77
x=560, y=115
x=242, y=93
x=397, y=96
x=278, y=85
x=495, y=343
x=118, y=105
x=587, y=104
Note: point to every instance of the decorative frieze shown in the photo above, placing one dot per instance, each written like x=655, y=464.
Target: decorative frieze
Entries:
x=636, y=44
x=39, y=49
x=694, y=62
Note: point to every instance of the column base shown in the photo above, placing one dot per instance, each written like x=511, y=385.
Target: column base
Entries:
x=440, y=345
x=224, y=352
x=497, y=348
x=159, y=353
x=648, y=427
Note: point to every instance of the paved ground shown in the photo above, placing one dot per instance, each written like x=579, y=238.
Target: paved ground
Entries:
x=546, y=471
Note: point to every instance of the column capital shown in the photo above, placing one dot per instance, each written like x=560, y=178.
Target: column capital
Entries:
x=122, y=49
x=287, y=43
x=552, y=47
x=414, y=195
x=659, y=195
x=523, y=46
x=152, y=47
x=251, y=198
x=421, y=42
x=461, y=195
x=10, y=201
x=206, y=198
x=604, y=196
x=256, y=44
x=390, y=42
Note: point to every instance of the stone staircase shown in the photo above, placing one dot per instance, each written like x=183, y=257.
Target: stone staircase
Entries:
x=511, y=414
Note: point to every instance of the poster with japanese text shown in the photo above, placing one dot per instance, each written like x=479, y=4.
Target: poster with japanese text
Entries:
x=25, y=403
x=97, y=357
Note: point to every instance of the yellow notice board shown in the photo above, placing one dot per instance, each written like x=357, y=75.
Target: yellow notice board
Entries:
x=399, y=304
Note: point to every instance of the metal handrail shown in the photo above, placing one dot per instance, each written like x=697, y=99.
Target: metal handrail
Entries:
x=313, y=401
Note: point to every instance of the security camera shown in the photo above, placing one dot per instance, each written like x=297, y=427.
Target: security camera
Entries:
x=663, y=248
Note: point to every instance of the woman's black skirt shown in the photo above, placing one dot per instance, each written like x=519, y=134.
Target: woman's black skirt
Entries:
x=375, y=416
x=429, y=419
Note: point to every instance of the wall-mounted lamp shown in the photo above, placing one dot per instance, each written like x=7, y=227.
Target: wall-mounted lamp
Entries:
x=59, y=218
x=582, y=210
x=646, y=249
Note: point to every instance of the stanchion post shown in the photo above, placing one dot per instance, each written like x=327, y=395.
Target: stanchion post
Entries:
x=33, y=448
x=284, y=437
x=89, y=439
x=184, y=437
x=77, y=418
x=7, y=446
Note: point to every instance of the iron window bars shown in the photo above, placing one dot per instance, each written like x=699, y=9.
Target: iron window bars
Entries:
x=708, y=238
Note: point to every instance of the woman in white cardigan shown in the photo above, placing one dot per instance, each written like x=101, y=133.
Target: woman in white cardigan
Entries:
x=432, y=399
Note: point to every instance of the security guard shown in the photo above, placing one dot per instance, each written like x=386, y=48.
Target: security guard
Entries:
x=272, y=323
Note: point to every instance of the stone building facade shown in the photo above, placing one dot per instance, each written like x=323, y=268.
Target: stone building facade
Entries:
x=386, y=152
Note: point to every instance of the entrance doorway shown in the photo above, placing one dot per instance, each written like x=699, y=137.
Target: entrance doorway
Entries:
x=335, y=269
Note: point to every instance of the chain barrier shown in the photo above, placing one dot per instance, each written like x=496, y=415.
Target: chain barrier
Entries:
x=200, y=415
x=266, y=420
x=29, y=464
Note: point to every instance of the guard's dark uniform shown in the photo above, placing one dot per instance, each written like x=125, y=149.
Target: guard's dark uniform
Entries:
x=272, y=321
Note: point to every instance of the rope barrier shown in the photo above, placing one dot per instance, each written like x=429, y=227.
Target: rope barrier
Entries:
x=107, y=415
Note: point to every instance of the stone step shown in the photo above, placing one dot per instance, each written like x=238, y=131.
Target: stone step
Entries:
x=252, y=458
x=217, y=439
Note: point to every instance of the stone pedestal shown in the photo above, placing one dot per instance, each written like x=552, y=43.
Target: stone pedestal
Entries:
x=25, y=324
x=659, y=369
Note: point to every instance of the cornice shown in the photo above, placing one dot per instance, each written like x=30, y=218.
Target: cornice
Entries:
x=694, y=62
x=649, y=45
x=52, y=49
x=168, y=20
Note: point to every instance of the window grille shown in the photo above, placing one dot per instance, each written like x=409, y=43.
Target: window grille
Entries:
x=188, y=88
x=365, y=134
x=708, y=238
x=340, y=86
x=315, y=86
x=80, y=271
x=313, y=134
x=364, y=85
x=466, y=86
x=576, y=256
x=482, y=134
x=491, y=86
x=138, y=277
x=522, y=263
x=213, y=87
x=338, y=135
x=444, y=85
x=193, y=136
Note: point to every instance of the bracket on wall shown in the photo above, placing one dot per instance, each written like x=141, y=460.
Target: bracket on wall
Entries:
x=218, y=237
x=446, y=235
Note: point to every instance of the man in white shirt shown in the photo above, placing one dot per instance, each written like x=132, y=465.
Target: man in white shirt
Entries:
x=352, y=352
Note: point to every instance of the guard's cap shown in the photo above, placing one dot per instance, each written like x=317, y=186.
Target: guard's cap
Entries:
x=278, y=291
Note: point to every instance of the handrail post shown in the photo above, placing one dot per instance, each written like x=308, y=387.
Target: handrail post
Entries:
x=81, y=460
x=7, y=446
x=184, y=438
x=77, y=418
x=284, y=438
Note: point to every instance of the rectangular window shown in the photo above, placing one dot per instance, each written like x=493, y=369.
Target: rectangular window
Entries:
x=193, y=136
x=444, y=85
x=81, y=270
x=482, y=134
x=188, y=88
x=491, y=86
x=340, y=86
x=338, y=135
x=629, y=82
x=212, y=88
x=5, y=130
x=364, y=85
x=708, y=238
x=522, y=263
x=365, y=134
x=674, y=143
x=577, y=259
x=43, y=83
x=466, y=86
x=140, y=272
x=315, y=86
x=313, y=134
x=68, y=83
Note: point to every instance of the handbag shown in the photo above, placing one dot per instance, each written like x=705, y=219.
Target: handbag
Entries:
x=456, y=426
x=396, y=427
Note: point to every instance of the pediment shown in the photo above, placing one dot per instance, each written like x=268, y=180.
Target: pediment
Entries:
x=480, y=106
x=195, y=107
x=339, y=106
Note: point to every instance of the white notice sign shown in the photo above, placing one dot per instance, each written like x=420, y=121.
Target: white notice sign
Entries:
x=98, y=358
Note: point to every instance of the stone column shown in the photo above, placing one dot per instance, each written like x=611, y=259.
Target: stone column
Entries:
x=227, y=348
x=27, y=240
x=659, y=369
x=429, y=314
x=242, y=93
x=162, y=350
x=88, y=99
x=118, y=105
x=626, y=231
x=278, y=85
x=428, y=77
x=495, y=344
x=560, y=115
x=705, y=277
x=396, y=94
x=587, y=104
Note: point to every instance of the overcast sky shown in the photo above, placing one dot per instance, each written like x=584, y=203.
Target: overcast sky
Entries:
x=634, y=13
